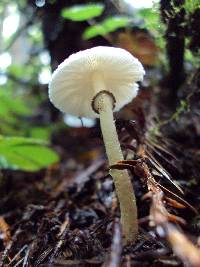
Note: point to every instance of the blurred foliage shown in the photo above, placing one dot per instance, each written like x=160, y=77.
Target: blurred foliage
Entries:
x=107, y=26
x=190, y=57
x=146, y=18
x=82, y=12
x=143, y=18
x=191, y=5
x=20, y=98
x=87, y=12
x=25, y=154
x=12, y=109
x=151, y=21
x=16, y=152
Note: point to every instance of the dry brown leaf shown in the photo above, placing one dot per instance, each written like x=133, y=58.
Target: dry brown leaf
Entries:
x=141, y=45
x=5, y=229
x=182, y=247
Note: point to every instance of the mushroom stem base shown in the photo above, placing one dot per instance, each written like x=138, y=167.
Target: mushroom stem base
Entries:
x=121, y=178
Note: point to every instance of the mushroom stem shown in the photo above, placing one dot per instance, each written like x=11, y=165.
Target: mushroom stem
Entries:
x=103, y=103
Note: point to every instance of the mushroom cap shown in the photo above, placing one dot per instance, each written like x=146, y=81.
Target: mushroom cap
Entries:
x=72, y=89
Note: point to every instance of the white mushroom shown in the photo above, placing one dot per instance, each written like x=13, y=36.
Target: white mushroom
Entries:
x=94, y=83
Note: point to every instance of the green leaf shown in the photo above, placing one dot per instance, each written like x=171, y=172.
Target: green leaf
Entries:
x=191, y=5
x=108, y=25
x=40, y=132
x=19, y=153
x=113, y=23
x=82, y=12
x=93, y=31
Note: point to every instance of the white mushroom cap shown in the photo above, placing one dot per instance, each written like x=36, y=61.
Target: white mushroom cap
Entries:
x=72, y=86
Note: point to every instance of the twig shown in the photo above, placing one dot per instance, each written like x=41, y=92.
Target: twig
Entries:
x=25, y=263
x=43, y=256
x=62, y=234
x=19, y=262
x=17, y=255
x=8, y=247
x=116, y=248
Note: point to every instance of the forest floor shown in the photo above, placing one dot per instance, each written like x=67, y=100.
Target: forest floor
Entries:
x=68, y=215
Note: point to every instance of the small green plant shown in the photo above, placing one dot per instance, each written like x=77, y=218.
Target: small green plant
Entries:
x=183, y=107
